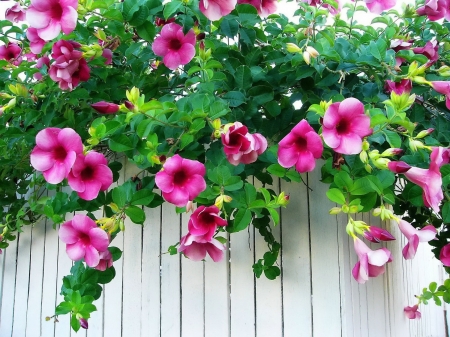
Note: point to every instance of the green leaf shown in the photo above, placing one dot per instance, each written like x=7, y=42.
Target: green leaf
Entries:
x=115, y=252
x=275, y=216
x=270, y=258
x=272, y=272
x=63, y=308
x=106, y=276
x=75, y=323
x=393, y=138
x=229, y=27
x=277, y=170
x=386, y=178
x=146, y=31
x=234, y=98
x=362, y=186
x=120, y=143
x=342, y=179
x=243, y=77
x=136, y=214
x=119, y=197
x=432, y=287
x=446, y=212
x=142, y=197
x=170, y=8
x=261, y=94
x=186, y=139
x=241, y=220
x=257, y=204
x=336, y=196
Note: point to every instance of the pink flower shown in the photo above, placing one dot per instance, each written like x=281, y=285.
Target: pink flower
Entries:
x=415, y=236
x=397, y=45
x=175, y=47
x=264, y=7
x=83, y=323
x=90, y=175
x=317, y=3
x=444, y=255
x=412, y=312
x=106, y=260
x=36, y=43
x=204, y=222
x=404, y=86
x=378, y=6
x=105, y=107
x=377, y=234
x=49, y=17
x=443, y=87
x=242, y=147
x=107, y=54
x=181, y=180
x=344, y=126
x=44, y=60
x=371, y=262
x=11, y=53
x=83, y=239
x=430, y=50
x=300, y=147
x=435, y=9
x=215, y=9
x=195, y=248
x=15, y=14
x=55, y=153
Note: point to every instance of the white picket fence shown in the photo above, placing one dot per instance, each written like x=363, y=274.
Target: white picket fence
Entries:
x=155, y=294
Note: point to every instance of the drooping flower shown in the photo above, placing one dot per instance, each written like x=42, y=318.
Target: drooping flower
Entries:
x=443, y=87
x=15, y=14
x=175, y=47
x=106, y=261
x=49, y=17
x=414, y=236
x=195, y=248
x=105, y=107
x=377, y=234
x=435, y=9
x=264, y=7
x=399, y=44
x=430, y=50
x=371, y=262
x=204, y=222
x=55, y=153
x=90, y=175
x=44, y=60
x=404, y=86
x=36, y=43
x=181, y=180
x=11, y=53
x=216, y=9
x=83, y=239
x=107, y=54
x=240, y=146
x=300, y=147
x=412, y=312
x=344, y=126
x=378, y=6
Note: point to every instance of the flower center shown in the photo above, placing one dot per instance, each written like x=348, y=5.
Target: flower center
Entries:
x=174, y=44
x=207, y=219
x=84, y=239
x=343, y=127
x=56, y=12
x=87, y=173
x=301, y=144
x=60, y=153
x=180, y=178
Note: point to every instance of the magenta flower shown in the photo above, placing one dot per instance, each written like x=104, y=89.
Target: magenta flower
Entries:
x=377, y=234
x=404, y=86
x=371, y=262
x=412, y=312
x=11, y=53
x=378, y=6
x=36, y=43
x=397, y=45
x=331, y=9
x=83, y=239
x=444, y=255
x=181, y=180
x=435, y=10
x=55, y=153
x=215, y=9
x=344, y=126
x=415, y=236
x=430, y=50
x=15, y=14
x=90, y=175
x=300, y=147
x=44, y=60
x=195, y=248
x=242, y=147
x=175, y=47
x=107, y=54
x=204, y=222
x=49, y=17
x=83, y=323
x=443, y=87
x=105, y=107
x=106, y=260
x=264, y=7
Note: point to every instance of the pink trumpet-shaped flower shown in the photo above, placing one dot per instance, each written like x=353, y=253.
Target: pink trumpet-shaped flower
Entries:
x=430, y=50
x=181, y=180
x=15, y=14
x=264, y=7
x=377, y=234
x=90, y=175
x=344, y=126
x=435, y=9
x=105, y=107
x=443, y=87
x=49, y=17
x=107, y=54
x=44, y=60
x=106, y=260
x=175, y=47
x=84, y=239
x=36, y=43
x=216, y=9
x=317, y=3
x=371, y=262
x=415, y=236
x=204, y=222
x=300, y=147
x=378, y=6
x=242, y=147
x=11, y=53
x=444, y=255
x=195, y=248
x=55, y=153
x=412, y=312
x=399, y=44
x=404, y=86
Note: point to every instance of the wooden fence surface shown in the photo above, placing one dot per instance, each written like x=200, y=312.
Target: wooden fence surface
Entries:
x=155, y=294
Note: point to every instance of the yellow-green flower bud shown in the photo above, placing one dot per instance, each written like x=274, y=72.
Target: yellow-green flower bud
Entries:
x=335, y=210
x=293, y=48
x=311, y=51
x=306, y=57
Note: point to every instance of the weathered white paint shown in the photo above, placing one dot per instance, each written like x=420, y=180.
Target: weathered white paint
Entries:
x=155, y=294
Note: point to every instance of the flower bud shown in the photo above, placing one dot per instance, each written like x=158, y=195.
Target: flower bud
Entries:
x=129, y=105
x=114, y=207
x=216, y=124
x=444, y=71
x=311, y=51
x=306, y=57
x=392, y=152
x=420, y=80
x=353, y=209
x=424, y=133
x=377, y=234
x=365, y=145
x=363, y=156
x=293, y=48
x=189, y=206
x=376, y=211
x=83, y=323
x=283, y=200
x=105, y=107
x=381, y=163
x=345, y=209
x=415, y=144
x=368, y=168
x=335, y=210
